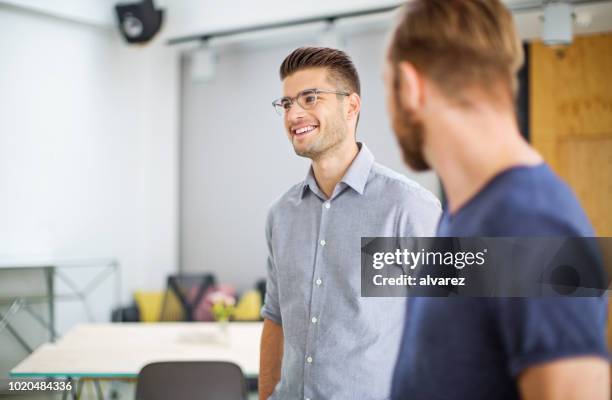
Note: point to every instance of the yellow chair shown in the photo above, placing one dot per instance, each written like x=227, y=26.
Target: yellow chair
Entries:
x=248, y=307
x=150, y=305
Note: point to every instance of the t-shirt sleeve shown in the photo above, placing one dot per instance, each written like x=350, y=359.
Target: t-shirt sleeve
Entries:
x=540, y=330
x=271, y=308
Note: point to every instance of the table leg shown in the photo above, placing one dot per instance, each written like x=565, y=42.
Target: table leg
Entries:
x=98, y=389
x=79, y=389
x=49, y=272
x=70, y=391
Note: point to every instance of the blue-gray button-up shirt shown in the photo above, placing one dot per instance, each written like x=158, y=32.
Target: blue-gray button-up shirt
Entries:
x=337, y=344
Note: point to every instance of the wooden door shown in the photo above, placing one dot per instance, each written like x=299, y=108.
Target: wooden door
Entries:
x=571, y=121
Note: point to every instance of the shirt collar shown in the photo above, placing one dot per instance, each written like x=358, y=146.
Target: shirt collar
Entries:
x=310, y=182
x=356, y=176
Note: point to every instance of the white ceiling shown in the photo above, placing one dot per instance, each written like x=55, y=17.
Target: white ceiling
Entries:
x=90, y=12
x=189, y=17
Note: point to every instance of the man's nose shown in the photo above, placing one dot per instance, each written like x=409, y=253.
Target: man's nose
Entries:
x=295, y=113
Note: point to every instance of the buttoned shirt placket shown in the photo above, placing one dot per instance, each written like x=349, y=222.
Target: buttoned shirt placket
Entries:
x=317, y=297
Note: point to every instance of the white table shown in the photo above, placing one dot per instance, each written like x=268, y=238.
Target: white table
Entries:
x=120, y=350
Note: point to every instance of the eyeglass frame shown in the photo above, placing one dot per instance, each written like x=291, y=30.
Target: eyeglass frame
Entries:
x=301, y=92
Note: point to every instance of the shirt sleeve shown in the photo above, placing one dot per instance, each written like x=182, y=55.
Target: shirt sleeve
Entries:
x=271, y=308
x=420, y=216
x=539, y=330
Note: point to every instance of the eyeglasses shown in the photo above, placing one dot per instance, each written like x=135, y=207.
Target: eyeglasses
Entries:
x=307, y=99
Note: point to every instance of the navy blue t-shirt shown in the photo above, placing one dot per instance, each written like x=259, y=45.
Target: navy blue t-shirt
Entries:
x=475, y=348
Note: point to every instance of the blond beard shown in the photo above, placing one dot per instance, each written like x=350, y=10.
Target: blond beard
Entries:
x=410, y=134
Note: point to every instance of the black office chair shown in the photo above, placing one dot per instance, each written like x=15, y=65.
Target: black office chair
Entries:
x=191, y=380
x=187, y=290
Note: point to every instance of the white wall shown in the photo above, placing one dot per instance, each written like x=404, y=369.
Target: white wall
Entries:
x=88, y=147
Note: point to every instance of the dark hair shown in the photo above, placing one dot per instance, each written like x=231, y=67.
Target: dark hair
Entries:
x=339, y=65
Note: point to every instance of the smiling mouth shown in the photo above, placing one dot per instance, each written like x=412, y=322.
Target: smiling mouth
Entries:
x=304, y=130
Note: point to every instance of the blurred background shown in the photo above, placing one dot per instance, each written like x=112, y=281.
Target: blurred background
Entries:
x=123, y=164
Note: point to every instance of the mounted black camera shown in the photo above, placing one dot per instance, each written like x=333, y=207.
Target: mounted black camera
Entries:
x=139, y=22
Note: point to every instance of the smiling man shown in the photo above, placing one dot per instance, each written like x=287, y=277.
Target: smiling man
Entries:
x=321, y=339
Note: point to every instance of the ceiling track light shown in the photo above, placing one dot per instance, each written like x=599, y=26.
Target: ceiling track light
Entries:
x=557, y=28
x=203, y=63
x=330, y=37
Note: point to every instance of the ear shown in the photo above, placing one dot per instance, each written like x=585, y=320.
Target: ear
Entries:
x=354, y=106
x=411, y=90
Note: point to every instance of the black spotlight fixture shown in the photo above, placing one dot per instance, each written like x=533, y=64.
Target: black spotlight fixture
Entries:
x=140, y=21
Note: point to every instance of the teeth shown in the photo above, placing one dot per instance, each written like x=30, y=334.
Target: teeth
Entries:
x=304, y=129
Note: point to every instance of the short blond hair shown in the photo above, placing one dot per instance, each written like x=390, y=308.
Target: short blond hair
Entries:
x=459, y=45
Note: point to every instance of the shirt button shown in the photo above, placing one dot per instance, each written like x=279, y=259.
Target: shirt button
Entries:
x=318, y=282
x=314, y=320
x=309, y=360
x=323, y=242
x=327, y=205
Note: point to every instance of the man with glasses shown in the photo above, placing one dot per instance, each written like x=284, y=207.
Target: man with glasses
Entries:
x=321, y=339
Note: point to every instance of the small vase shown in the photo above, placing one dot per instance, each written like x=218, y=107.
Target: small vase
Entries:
x=224, y=335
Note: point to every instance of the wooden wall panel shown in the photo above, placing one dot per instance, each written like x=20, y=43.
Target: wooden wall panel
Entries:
x=571, y=119
x=571, y=122
x=587, y=165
